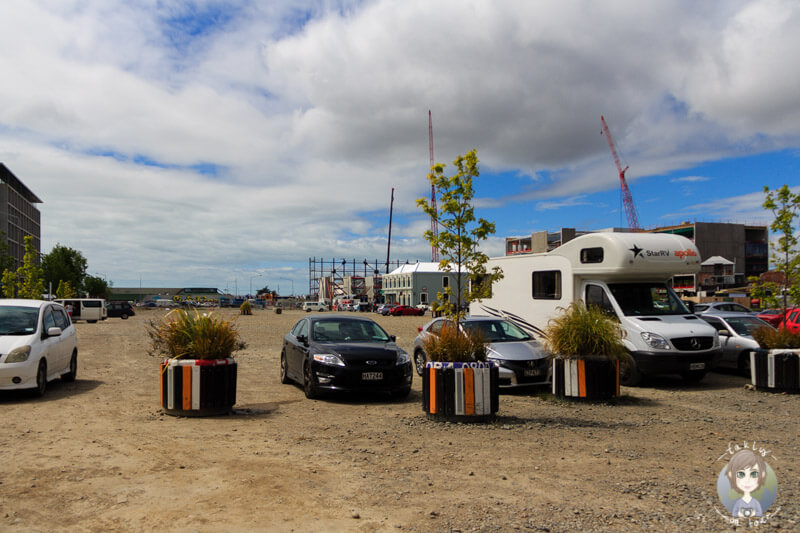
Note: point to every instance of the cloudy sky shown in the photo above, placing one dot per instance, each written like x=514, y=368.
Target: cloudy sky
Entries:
x=203, y=143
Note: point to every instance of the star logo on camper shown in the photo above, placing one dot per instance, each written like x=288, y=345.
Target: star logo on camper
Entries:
x=636, y=251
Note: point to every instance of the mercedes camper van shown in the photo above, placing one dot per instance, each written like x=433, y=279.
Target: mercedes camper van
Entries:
x=624, y=273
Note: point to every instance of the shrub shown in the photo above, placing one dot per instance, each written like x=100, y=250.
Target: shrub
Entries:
x=454, y=346
x=246, y=308
x=769, y=338
x=181, y=334
x=580, y=330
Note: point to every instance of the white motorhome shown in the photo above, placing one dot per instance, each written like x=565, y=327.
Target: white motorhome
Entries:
x=88, y=309
x=626, y=274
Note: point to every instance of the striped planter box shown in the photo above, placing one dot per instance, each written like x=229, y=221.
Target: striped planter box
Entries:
x=460, y=392
x=198, y=387
x=777, y=370
x=590, y=377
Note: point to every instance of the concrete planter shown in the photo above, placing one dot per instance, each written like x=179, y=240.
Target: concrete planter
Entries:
x=198, y=387
x=776, y=370
x=590, y=377
x=460, y=392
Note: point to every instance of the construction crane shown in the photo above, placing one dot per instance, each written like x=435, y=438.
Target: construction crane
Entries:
x=627, y=199
x=434, y=223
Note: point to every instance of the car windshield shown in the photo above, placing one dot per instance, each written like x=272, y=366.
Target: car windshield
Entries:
x=643, y=299
x=699, y=307
x=348, y=331
x=18, y=320
x=746, y=325
x=496, y=330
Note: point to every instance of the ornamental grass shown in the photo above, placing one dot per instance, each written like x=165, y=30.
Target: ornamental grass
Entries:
x=184, y=335
x=581, y=330
x=454, y=346
x=770, y=338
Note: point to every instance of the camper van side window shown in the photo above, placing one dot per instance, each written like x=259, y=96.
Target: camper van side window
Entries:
x=547, y=285
x=592, y=255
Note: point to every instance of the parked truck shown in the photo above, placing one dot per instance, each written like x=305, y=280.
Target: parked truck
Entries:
x=624, y=273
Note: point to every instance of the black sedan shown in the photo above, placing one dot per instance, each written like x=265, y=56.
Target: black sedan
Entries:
x=344, y=353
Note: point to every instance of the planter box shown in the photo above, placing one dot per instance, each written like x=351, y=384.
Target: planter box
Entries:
x=777, y=370
x=460, y=392
x=198, y=387
x=590, y=377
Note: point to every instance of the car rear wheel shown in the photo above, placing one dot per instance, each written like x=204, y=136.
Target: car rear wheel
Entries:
x=309, y=385
x=41, y=379
x=73, y=368
x=124, y=316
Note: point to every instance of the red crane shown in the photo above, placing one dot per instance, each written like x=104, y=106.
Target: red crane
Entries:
x=434, y=223
x=627, y=199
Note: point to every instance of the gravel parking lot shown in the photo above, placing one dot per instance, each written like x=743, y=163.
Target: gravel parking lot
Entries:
x=98, y=454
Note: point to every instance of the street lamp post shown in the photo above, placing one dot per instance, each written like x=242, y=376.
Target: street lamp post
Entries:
x=251, y=283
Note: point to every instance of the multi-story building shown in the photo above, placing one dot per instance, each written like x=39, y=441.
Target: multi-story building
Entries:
x=19, y=217
x=419, y=283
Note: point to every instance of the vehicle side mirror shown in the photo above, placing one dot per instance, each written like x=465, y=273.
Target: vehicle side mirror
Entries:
x=302, y=339
x=724, y=333
x=53, y=332
x=393, y=338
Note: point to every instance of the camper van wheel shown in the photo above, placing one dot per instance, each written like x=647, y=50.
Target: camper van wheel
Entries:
x=629, y=374
x=693, y=376
x=91, y=321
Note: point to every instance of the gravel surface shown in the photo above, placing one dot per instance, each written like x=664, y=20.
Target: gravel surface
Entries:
x=99, y=455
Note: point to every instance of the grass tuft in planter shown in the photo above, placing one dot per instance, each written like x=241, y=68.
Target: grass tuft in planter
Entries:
x=587, y=351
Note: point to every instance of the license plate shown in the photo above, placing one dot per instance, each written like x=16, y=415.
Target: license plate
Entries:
x=697, y=366
x=530, y=372
x=371, y=376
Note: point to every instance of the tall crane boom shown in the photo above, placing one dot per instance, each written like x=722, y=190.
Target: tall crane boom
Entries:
x=627, y=199
x=434, y=223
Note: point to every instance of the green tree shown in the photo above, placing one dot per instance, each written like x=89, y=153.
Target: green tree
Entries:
x=6, y=260
x=9, y=283
x=65, y=290
x=64, y=264
x=29, y=274
x=96, y=287
x=459, y=235
x=785, y=206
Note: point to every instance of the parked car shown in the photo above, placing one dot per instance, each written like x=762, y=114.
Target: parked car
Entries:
x=385, y=308
x=38, y=343
x=771, y=316
x=522, y=360
x=425, y=307
x=119, y=309
x=792, y=320
x=403, y=310
x=344, y=353
x=721, y=307
x=736, y=337
x=314, y=306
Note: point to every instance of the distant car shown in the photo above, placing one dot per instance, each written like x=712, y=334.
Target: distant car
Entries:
x=385, y=308
x=344, y=353
x=425, y=307
x=721, y=307
x=736, y=337
x=792, y=320
x=314, y=306
x=771, y=316
x=119, y=309
x=522, y=360
x=38, y=343
x=403, y=310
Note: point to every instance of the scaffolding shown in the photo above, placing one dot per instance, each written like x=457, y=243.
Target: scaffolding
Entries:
x=345, y=277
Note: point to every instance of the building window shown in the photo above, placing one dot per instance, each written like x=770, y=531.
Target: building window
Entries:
x=547, y=285
x=445, y=282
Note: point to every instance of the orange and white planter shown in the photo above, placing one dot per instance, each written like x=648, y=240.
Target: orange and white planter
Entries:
x=460, y=391
x=592, y=378
x=198, y=387
x=776, y=370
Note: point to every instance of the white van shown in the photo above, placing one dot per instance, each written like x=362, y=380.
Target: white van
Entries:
x=626, y=274
x=314, y=306
x=88, y=309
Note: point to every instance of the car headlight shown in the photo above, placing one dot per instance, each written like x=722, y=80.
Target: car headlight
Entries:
x=655, y=341
x=402, y=358
x=18, y=355
x=328, y=359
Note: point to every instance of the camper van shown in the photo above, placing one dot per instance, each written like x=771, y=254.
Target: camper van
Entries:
x=624, y=273
x=88, y=309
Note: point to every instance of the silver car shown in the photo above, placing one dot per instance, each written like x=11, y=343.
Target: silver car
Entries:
x=715, y=308
x=521, y=359
x=736, y=337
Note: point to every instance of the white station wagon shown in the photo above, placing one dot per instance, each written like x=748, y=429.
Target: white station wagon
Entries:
x=38, y=343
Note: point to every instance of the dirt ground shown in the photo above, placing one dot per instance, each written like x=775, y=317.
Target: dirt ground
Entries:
x=99, y=455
